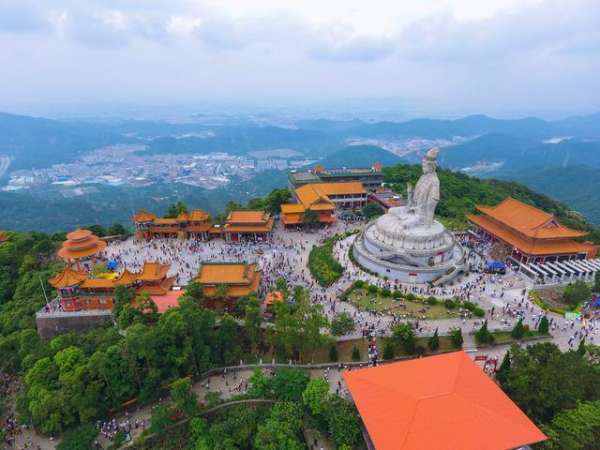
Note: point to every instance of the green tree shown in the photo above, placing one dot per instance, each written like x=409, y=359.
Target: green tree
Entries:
x=184, y=397
x=504, y=369
x=518, y=330
x=342, y=324
x=310, y=218
x=282, y=429
x=343, y=425
x=315, y=396
x=576, y=293
x=403, y=335
x=434, y=341
x=372, y=210
x=575, y=429
x=355, y=354
x=175, y=209
x=456, y=337
x=388, y=351
x=581, y=350
x=544, y=326
x=289, y=384
x=333, y=353
x=80, y=438
x=117, y=229
x=483, y=335
x=253, y=321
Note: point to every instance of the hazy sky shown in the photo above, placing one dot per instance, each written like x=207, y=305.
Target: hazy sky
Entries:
x=488, y=56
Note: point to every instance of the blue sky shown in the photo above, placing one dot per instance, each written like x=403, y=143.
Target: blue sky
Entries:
x=493, y=56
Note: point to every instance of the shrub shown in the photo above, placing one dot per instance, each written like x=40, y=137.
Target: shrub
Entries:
x=359, y=284
x=355, y=354
x=449, y=304
x=404, y=335
x=333, y=353
x=431, y=301
x=518, y=331
x=372, y=289
x=388, y=351
x=544, y=326
x=397, y=295
x=411, y=297
x=322, y=264
x=386, y=292
x=483, y=335
x=576, y=293
x=80, y=438
x=434, y=341
x=478, y=312
x=456, y=338
x=342, y=324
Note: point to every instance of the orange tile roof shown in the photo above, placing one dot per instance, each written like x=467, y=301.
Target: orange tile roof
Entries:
x=198, y=215
x=3, y=237
x=527, y=219
x=164, y=221
x=98, y=283
x=273, y=297
x=291, y=208
x=226, y=273
x=143, y=216
x=250, y=228
x=81, y=244
x=530, y=246
x=199, y=228
x=126, y=278
x=161, y=289
x=153, y=271
x=247, y=217
x=438, y=402
x=68, y=277
x=315, y=196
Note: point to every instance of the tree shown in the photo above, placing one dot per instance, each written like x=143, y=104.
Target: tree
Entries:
x=355, y=354
x=518, y=330
x=333, y=353
x=576, y=293
x=544, y=381
x=80, y=438
x=372, y=210
x=282, y=429
x=388, y=350
x=504, y=369
x=311, y=218
x=483, y=335
x=117, y=229
x=259, y=385
x=253, y=320
x=289, y=384
x=597, y=281
x=576, y=429
x=343, y=425
x=403, y=335
x=434, y=341
x=544, y=326
x=581, y=348
x=175, y=209
x=456, y=337
x=315, y=395
x=184, y=397
x=342, y=324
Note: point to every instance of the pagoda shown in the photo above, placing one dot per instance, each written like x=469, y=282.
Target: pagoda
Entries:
x=530, y=234
x=81, y=245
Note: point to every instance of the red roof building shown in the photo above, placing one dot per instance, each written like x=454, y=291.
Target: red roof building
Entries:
x=443, y=402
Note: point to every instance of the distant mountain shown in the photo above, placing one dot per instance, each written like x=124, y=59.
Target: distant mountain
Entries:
x=578, y=186
x=32, y=142
x=241, y=140
x=356, y=156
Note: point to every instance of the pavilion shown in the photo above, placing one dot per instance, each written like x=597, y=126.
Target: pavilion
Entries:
x=230, y=281
x=438, y=402
x=530, y=234
x=323, y=199
x=253, y=225
x=81, y=245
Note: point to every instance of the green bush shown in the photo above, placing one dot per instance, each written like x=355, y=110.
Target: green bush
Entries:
x=397, y=295
x=411, y=297
x=449, y=303
x=372, y=289
x=359, y=284
x=80, y=438
x=483, y=335
x=478, y=312
x=355, y=354
x=386, y=293
x=322, y=264
x=431, y=301
x=576, y=293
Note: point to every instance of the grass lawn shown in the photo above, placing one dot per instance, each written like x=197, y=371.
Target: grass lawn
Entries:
x=411, y=309
x=504, y=337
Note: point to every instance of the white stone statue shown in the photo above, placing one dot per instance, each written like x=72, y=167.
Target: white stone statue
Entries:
x=426, y=194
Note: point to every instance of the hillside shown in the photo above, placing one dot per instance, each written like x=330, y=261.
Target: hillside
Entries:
x=33, y=142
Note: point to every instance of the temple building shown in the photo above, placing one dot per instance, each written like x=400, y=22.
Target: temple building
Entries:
x=323, y=199
x=438, y=402
x=81, y=245
x=77, y=291
x=530, y=234
x=195, y=224
x=228, y=282
x=3, y=236
x=371, y=178
x=247, y=225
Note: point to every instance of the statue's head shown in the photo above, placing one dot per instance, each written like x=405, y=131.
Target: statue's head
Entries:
x=430, y=160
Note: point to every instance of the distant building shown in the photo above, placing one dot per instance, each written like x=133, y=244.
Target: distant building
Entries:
x=248, y=225
x=386, y=199
x=227, y=282
x=530, y=234
x=438, y=402
x=195, y=224
x=371, y=178
x=3, y=236
x=323, y=199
